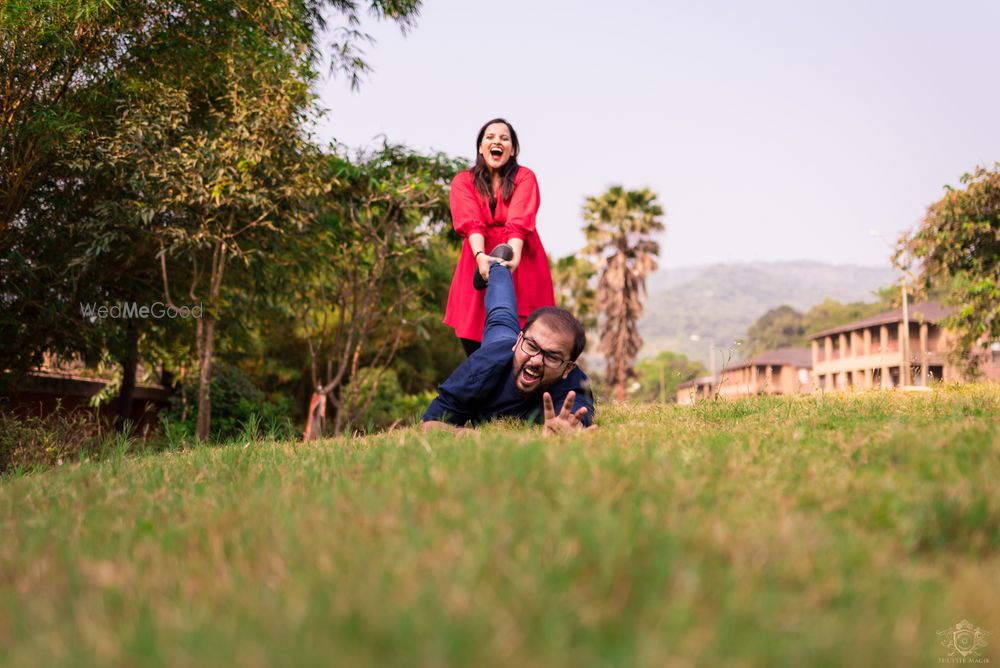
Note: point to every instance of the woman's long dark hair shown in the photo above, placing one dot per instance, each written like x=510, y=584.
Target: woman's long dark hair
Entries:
x=481, y=172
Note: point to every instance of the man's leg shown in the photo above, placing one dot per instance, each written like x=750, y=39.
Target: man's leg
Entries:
x=501, y=306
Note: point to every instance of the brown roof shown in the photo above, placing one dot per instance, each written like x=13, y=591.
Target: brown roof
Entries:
x=798, y=357
x=925, y=312
x=56, y=383
x=704, y=380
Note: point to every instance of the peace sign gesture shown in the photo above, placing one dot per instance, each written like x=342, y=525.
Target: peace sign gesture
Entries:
x=567, y=421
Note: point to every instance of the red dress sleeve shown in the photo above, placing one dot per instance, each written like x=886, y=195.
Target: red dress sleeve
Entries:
x=523, y=205
x=466, y=212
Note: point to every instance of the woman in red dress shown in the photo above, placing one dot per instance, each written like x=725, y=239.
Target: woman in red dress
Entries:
x=496, y=202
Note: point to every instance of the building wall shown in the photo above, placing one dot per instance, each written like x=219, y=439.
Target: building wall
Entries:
x=883, y=356
x=686, y=395
x=989, y=361
x=689, y=394
x=763, y=379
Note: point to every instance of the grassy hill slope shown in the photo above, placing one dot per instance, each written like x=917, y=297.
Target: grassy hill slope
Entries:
x=808, y=531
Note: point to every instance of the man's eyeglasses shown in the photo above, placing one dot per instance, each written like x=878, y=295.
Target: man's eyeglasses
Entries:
x=550, y=359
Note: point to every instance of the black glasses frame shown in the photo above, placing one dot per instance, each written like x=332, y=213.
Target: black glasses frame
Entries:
x=550, y=359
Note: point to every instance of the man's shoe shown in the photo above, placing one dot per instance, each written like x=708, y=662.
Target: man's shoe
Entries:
x=501, y=252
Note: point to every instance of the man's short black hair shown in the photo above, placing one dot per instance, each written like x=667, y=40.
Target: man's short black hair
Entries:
x=563, y=321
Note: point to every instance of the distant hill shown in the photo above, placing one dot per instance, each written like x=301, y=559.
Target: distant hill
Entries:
x=723, y=300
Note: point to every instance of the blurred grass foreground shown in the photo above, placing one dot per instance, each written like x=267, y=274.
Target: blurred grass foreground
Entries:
x=841, y=530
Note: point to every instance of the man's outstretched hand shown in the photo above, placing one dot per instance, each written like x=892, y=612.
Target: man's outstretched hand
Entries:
x=567, y=421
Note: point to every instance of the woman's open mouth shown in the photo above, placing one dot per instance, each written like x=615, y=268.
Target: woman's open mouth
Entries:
x=496, y=152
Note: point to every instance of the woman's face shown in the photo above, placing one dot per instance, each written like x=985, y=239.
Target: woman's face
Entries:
x=496, y=147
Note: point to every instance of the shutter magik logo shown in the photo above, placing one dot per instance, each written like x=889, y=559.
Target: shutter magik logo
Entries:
x=964, y=642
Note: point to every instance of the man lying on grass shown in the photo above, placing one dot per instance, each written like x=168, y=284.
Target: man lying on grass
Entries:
x=530, y=374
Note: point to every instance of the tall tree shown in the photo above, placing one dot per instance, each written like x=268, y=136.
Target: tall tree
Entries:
x=72, y=74
x=620, y=225
x=956, y=248
x=358, y=280
x=57, y=82
x=206, y=182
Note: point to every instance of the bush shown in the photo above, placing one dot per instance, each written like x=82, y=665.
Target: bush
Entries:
x=236, y=403
x=390, y=406
x=32, y=442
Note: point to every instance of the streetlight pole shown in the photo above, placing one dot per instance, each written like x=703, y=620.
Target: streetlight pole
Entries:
x=904, y=368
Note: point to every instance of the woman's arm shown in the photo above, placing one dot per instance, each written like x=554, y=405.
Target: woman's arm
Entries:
x=477, y=242
x=466, y=212
x=466, y=217
x=521, y=213
x=517, y=244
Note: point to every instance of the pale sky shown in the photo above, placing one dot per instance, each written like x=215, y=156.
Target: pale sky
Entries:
x=771, y=130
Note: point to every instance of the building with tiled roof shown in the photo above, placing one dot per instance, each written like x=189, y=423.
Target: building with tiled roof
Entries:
x=696, y=389
x=781, y=371
x=880, y=351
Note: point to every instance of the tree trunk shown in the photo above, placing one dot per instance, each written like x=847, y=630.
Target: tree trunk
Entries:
x=166, y=377
x=130, y=360
x=206, y=343
x=620, y=391
x=206, y=336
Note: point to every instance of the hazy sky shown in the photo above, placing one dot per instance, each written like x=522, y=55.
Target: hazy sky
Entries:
x=770, y=130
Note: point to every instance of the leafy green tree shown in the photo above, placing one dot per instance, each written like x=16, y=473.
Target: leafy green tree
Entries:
x=236, y=402
x=55, y=58
x=659, y=376
x=269, y=341
x=357, y=283
x=620, y=225
x=783, y=326
x=427, y=357
x=778, y=328
x=957, y=248
x=75, y=73
x=228, y=191
x=832, y=313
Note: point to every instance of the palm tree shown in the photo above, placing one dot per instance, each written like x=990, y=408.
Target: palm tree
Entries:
x=619, y=227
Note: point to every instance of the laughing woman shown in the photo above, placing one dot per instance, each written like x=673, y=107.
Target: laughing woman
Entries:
x=495, y=203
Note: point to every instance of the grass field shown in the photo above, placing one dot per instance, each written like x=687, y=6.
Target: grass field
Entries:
x=827, y=531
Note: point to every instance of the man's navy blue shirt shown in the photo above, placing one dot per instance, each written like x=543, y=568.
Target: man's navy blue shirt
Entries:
x=482, y=387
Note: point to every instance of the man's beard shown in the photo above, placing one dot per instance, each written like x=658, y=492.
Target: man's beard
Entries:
x=540, y=386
